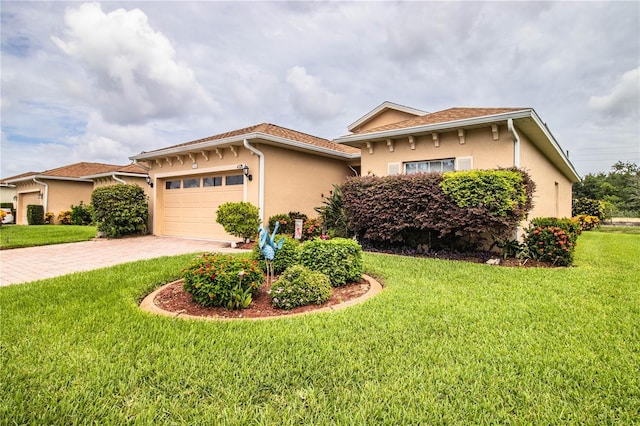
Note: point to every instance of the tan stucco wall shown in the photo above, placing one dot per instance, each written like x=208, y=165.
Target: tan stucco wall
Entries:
x=386, y=117
x=6, y=195
x=296, y=181
x=553, y=190
x=479, y=144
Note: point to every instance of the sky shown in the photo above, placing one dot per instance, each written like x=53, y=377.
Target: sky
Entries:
x=102, y=81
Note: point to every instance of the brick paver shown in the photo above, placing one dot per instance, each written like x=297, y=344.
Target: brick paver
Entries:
x=36, y=263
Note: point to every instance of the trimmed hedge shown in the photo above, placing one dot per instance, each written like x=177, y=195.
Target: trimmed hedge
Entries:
x=239, y=219
x=120, y=210
x=552, y=240
x=456, y=210
x=340, y=259
x=300, y=286
x=35, y=214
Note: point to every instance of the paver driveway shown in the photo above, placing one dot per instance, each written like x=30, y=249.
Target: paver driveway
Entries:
x=36, y=263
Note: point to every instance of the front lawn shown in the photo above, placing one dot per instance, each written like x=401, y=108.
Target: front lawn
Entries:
x=15, y=236
x=445, y=342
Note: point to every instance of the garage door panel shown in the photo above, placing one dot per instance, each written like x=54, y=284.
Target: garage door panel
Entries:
x=191, y=212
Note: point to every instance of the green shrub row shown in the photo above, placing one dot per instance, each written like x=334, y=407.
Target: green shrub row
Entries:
x=588, y=207
x=457, y=210
x=222, y=280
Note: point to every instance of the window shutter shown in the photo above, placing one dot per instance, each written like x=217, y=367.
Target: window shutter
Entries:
x=393, y=169
x=464, y=163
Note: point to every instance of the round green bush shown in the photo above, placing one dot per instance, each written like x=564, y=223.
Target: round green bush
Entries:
x=222, y=280
x=239, y=219
x=299, y=286
x=287, y=256
x=340, y=259
x=286, y=226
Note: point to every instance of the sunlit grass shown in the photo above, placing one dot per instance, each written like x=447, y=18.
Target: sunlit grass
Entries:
x=15, y=236
x=445, y=342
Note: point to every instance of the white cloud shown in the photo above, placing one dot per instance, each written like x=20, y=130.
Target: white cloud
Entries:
x=310, y=97
x=134, y=70
x=624, y=98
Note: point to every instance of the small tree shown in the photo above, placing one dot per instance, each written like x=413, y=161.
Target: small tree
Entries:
x=120, y=210
x=239, y=219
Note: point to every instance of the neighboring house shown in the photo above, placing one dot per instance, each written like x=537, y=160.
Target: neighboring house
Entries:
x=277, y=169
x=58, y=189
x=281, y=170
x=8, y=194
x=463, y=139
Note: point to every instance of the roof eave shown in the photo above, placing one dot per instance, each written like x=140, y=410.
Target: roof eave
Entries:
x=239, y=138
x=426, y=128
x=109, y=174
x=32, y=177
x=368, y=116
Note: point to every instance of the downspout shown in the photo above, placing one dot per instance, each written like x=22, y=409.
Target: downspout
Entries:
x=45, y=197
x=261, y=177
x=355, y=172
x=516, y=156
x=117, y=179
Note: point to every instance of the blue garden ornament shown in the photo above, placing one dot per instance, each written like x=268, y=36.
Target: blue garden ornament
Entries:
x=269, y=247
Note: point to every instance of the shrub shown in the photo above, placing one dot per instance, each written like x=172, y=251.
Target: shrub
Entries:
x=587, y=223
x=35, y=214
x=287, y=256
x=49, y=218
x=286, y=226
x=552, y=240
x=64, y=217
x=332, y=214
x=311, y=229
x=222, y=280
x=120, y=210
x=299, y=286
x=81, y=214
x=340, y=259
x=239, y=219
x=422, y=213
x=588, y=207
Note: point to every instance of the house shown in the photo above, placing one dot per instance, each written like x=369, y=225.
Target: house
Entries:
x=275, y=168
x=281, y=170
x=394, y=140
x=58, y=189
x=8, y=194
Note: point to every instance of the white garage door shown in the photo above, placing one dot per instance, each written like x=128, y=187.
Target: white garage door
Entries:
x=189, y=204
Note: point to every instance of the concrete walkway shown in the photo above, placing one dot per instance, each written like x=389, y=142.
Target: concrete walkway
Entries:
x=36, y=263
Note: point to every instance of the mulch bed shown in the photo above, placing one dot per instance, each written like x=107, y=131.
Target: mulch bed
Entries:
x=173, y=298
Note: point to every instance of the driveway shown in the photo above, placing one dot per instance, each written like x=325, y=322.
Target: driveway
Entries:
x=36, y=263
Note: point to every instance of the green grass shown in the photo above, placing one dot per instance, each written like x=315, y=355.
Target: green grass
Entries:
x=15, y=236
x=445, y=342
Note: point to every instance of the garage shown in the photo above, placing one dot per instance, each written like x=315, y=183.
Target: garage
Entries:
x=189, y=204
x=26, y=199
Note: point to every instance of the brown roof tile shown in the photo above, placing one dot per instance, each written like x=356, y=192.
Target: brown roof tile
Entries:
x=451, y=114
x=132, y=168
x=277, y=131
x=21, y=175
x=78, y=170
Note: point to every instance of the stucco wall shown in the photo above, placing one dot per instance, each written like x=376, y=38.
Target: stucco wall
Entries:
x=387, y=117
x=479, y=144
x=296, y=181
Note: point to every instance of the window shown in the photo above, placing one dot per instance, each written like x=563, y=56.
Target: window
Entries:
x=445, y=165
x=191, y=183
x=212, y=181
x=234, y=180
x=172, y=184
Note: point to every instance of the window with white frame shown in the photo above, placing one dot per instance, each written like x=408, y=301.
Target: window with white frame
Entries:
x=443, y=165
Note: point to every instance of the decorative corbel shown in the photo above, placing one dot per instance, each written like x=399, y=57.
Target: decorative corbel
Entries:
x=179, y=157
x=494, y=130
x=390, y=145
x=219, y=152
x=234, y=149
x=158, y=162
x=461, y=136
x=412, y=142
x=370, y=147
x=168, y=161
x=193, y=157
x=436, y=139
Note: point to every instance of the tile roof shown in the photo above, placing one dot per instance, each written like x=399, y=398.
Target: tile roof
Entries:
x=132, y=168
x=276, y=131
x=21, y=175
x=451, y=114
x=78, y=170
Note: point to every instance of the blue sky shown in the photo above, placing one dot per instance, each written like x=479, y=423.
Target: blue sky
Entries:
x=102, y=81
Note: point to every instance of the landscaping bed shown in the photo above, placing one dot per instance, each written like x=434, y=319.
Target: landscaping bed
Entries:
x=173, y=298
